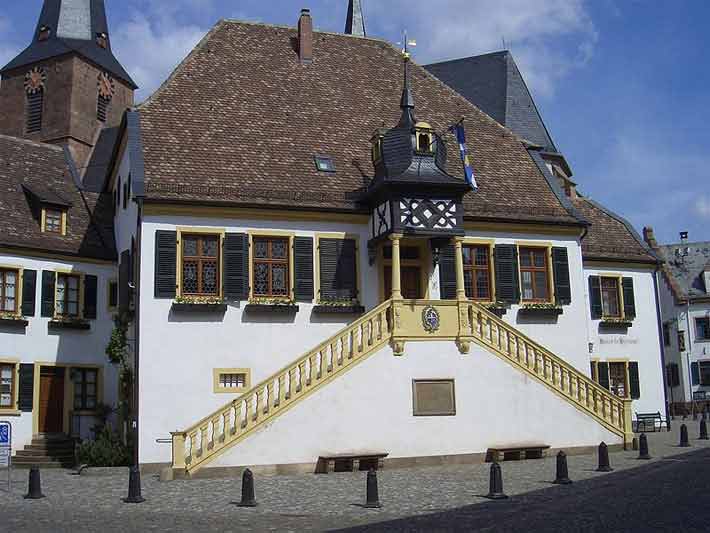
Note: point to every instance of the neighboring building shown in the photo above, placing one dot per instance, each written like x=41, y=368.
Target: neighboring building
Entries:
x=306, y=271
x=685, y=304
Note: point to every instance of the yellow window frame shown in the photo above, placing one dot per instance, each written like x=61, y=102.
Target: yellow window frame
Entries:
x=219, y=389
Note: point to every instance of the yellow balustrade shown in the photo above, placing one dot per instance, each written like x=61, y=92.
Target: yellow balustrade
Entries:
x=397, y=322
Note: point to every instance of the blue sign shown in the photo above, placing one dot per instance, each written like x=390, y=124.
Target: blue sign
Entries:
x=4, y=434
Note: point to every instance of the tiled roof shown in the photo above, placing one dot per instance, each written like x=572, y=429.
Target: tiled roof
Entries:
x=241, y=118
x=609, y=236
x=32, y=172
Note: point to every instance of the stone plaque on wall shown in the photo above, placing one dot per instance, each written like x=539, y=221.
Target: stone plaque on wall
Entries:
x=434, y=397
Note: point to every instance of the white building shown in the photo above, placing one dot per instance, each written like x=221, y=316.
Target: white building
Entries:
x=308, y=273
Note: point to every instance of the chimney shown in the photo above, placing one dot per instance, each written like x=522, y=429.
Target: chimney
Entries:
x=649, y=237
x=305, y=37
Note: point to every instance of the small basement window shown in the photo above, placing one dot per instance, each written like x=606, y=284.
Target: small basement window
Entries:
x=324, y=163
x=434, y=397
x=231, y=380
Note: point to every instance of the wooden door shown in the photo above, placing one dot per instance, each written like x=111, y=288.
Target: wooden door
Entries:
x=410, y=280
x=51, y=400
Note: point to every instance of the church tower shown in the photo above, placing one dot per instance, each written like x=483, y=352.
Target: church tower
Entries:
x=66, y=86
x=355, y=23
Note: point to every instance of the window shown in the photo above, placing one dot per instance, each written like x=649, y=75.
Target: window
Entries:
x=200, y=265
x=594, y=371
x=681, y=340
x=85, y=388
x=377, y=149
x=666, y=334
x=67, y=295
x=617, y=379
x=53, y=220
x=611, y=306
x=424, y=138
x=7, y=385
x=534, y=274
x=434, y=397
x=102, y=104
x=704, y=367
x=337, y=260
x=113, y=294
x=476, y=271
x=271, y=266
x=324, y=163
x=8, y=290
x=35, y=103
x=702, y=328
x=231, y=380
x=673, y=375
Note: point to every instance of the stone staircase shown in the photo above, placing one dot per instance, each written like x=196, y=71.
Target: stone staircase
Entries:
x=394, y=322
x=46, y=451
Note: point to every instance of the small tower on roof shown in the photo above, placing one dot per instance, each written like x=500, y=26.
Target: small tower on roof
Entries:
x=355, y=23
x=66, y=85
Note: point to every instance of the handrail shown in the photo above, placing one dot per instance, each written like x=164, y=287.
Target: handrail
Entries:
x=235, y=420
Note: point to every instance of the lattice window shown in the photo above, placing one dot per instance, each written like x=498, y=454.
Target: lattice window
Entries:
x=271, y=266
x=7, y=385
x=67, y=296
x=8, y=290
x=534, y=274
x=611, y=303
x=85, y=388
x=200, y=265
x=232, y=381
x=52, y=221
x=476, y=272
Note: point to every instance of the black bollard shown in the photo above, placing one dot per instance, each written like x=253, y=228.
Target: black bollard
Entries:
x=643, y=447
x=684, y=442
x=703, y=430
x=34, y=491
x=562, y=477
x=248, y=498
x=134, y=486
x=496, y=484
x=373, y=494
x=604, y=458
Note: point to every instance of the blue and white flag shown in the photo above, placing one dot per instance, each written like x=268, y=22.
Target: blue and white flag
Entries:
x=468, y=169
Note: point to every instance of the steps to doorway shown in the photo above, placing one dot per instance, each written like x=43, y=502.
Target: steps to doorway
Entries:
x=46, y=451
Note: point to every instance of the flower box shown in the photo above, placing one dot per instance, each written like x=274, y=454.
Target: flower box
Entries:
x=326, y=309
x=498, y=310
x=13, y=321
x=541, y=311
x=195, y=307
x=271, y=308
x=618, y=323
x=80, y=325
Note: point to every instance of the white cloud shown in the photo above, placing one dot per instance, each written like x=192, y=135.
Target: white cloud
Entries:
x=702, y=207
x=540, y=34
x=151, y=47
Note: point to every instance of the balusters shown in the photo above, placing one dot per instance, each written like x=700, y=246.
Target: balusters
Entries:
x=195, y=451
x=312, y=370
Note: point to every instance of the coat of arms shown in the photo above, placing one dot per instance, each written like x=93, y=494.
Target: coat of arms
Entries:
x=431, y=319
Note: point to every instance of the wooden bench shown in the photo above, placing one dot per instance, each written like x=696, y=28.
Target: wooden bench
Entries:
x=644, y=419
x=516, y=453
x=348, y=462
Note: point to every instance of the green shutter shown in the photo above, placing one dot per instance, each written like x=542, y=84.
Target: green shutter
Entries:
x=165, y=264
x=560, y=269
x=595, y=297
x=303, y=269
x=338, y=269
x=48, y=281
x=603, y=373
x=235, y=278
x=25, y=392
x=90, y=296
x=627, y=285
x=447, y=272
x=634, y=384
x=29, y=290
x=506, y=268
x=695, y=373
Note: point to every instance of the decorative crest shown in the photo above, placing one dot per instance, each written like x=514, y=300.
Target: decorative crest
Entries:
x=106, y=85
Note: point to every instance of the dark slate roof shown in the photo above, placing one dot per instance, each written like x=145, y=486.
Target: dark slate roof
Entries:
x=31, y=172
x=101, y=157
x=73, y=30
x=239, y=121
x=610, y=237
x=687, y=275
x=494, y=84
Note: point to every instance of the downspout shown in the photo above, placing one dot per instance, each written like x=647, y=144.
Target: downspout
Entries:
x=659, y=324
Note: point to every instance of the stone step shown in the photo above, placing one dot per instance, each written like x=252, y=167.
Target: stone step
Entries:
x=32, y=454
x=44, y=465
x=49, y=450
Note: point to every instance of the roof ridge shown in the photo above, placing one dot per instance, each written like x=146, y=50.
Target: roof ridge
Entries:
x=468, y=58
x=295, y=28
x=12, y=138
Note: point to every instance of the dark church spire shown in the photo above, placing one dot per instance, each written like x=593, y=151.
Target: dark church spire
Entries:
x=355, y=23
x=72, y=26
x=407, y=101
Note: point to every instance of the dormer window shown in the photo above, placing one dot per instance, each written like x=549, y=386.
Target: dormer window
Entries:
x=377, y=149
x=54, y=221
x=44, y=33
x=424, y=138
x=324, y=163
x=102, y=40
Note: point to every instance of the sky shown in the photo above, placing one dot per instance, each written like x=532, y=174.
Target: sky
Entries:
x=621, y=84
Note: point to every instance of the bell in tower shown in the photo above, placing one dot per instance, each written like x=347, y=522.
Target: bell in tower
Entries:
x=66, y=85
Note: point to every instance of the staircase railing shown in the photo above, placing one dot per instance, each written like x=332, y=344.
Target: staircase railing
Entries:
x=504, y=340
x=239, y=418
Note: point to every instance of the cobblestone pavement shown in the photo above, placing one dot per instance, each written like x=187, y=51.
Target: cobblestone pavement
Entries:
x=438, y=498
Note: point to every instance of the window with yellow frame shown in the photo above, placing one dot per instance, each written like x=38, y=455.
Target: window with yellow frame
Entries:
x=8, y=386
x=54, y=220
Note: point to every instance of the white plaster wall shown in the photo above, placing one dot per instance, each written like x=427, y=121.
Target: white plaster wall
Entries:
x=38, y=343
x=640, y=342
x=370, y=409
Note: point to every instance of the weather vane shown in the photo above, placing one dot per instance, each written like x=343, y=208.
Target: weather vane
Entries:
x=406, y=43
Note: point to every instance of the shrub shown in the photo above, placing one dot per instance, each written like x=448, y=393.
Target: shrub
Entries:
x=106, y=450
